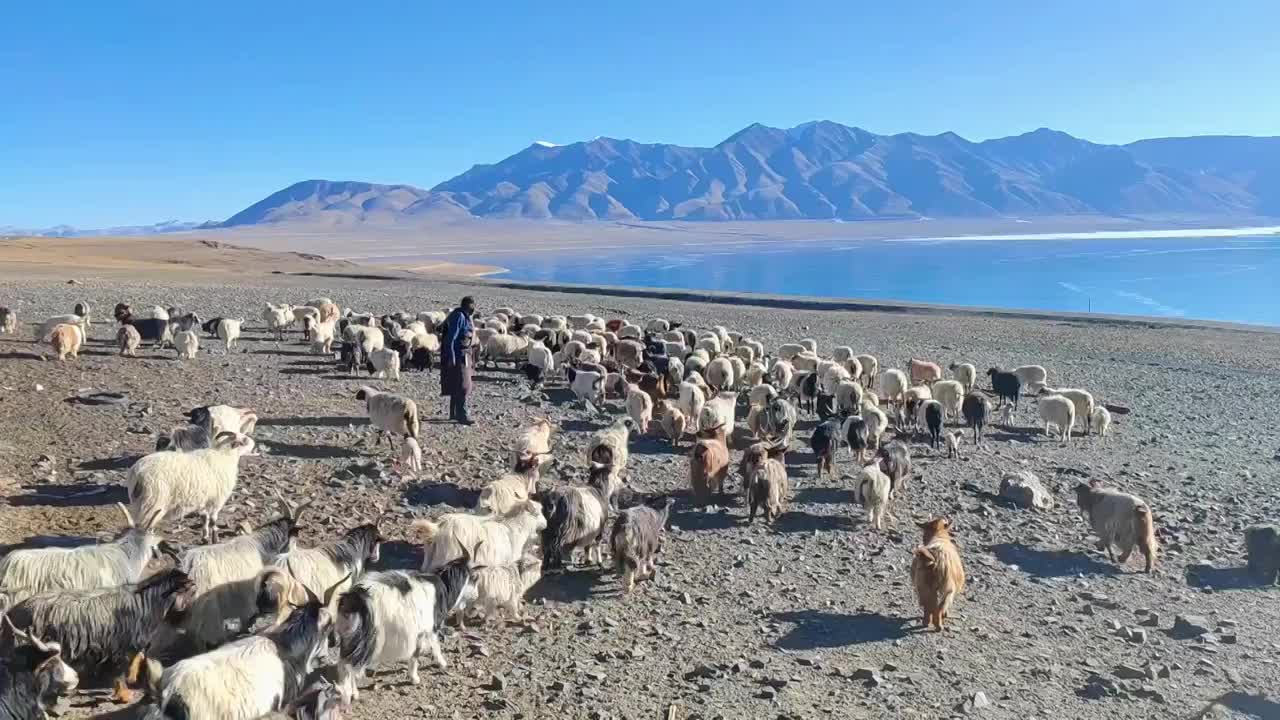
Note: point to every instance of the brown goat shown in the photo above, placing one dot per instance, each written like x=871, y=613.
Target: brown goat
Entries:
x=708, y=468
x=66, y=339
x=936, y=572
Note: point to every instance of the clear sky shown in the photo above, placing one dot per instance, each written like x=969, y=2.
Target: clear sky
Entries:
x=134, y=112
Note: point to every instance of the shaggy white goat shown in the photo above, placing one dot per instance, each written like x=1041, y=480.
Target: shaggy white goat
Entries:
x=876, y=422
x=587, y=385
x=187, y=343
x=505, y=494
x=831, y=377
x=673, y=422
x=410, y=455
x=385, y=363
x=639, y=407
x=951, y=394
x=609, y=446
x=389, y=413
x=870, y=368
x=719, y=374
x=966, y=374
x=228, y=331
x=1058, y=411
x=1033, y=378
x=120, y=561
x=1101, y=420
x=893, y=385
x=872, y=491
x=66, y=340
x=489, y=539
x=503, y=587
x=169, y=486
x=1083, y=401
x=277, y=318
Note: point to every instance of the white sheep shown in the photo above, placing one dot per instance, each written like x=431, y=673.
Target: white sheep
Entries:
x=385, y=363
x=872, y=490
x=1101, y=420
x=806, y=361
x=489, y=539
x=44, y=329
x=870, y=368
x=580, y=322
x=673, y=422
x=810, y=345
x=1083, y=401
x=1058, y=411
x=1033, y=378
x=170, y=485
x=893, y=385
x=657, y=326
x=966, y=374
x=390, y=413
x=609, y=446
x=228, y=331
x=745, y=352
x=66, y=339
x=506, y=348
x=306, y=316
x=719, y=413
x=754, y=376
x=277, y=318
x=187, y=343
x=848, y=396
x=322, y=337
x=875, y=419
x=217, y=419
x=639, y=407
x=710, y=344
x=951, y=394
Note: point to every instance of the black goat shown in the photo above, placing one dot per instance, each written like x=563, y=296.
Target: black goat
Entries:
x=1007, y=385
x=975, y=409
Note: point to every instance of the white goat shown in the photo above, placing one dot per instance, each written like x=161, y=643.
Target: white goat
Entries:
x=187, y=343
x=1058, y=411
x=170, y=486
x=121, y=561
x=489, y=539
x=390, y=413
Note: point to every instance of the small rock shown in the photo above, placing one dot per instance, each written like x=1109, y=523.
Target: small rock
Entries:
x=1152, y=620
x=496, y=682
x=868, y=676
x=1128, y=672
x=1190, y=626
x=975, y=702
x=1138, y=637
x=1024, y=489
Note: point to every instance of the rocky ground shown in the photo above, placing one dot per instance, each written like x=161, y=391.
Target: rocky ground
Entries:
x=813, y=617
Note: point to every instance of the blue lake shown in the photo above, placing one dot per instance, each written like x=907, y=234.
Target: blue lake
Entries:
x=1211, y=278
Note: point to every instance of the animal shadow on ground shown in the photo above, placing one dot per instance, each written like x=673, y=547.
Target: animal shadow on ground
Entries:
x=500, y=379
x=301, y=353
x=687, y=516
x=137, y=711
x=796, y=521
x=69, y=495
x=304, y=371
x=823, y=496
x=21, y=356
x=989, y=496
x=1236, y=578
x=308, y=452
x=399, y=555
x=815, y=629
x=323, y=421
x=122, y=462
x=560, y=396
x=576, y=584
x=1050, y=563
x=442, y=494
x=580, y=426
x=1252, y=706
x=1012, y=433
x=48, y=541
x=656, y=446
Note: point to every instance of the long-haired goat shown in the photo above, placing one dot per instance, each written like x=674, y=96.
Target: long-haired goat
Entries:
x=394, y=616
x=171, y=485
x=503, y=587
x=873, y=491
x=1121, y=521
x=824, y=442
x=347, y=556
x=253, y=676
x=503, y=537
x=895, y=461
x=123, y=560
x=609, y=446
x=765, y=481
x=390, y=414
x=104, y=627
x=218, y=419
x=936, y=572
x=636, y=540
x=32, y=677
x=708, y=468
x=576, y=518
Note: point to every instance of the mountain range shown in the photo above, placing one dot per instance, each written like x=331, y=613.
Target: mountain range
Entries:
x=817, y=170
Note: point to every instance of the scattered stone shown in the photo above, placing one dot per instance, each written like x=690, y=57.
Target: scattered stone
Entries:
x=974, y=703
x=1186, y=627
x=496, y=682
x=1151, y=620
x=1128, y=672
x=1262, y=542
x=1025, y=490
x=1137, y=637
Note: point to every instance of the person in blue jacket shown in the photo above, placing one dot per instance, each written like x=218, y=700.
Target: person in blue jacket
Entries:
x=455, y=359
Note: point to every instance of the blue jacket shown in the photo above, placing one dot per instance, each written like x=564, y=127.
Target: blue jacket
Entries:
x=457, y=333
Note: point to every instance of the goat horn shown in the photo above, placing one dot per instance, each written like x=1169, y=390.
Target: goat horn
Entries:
x=311, y=596
x=14, y=628
x=328, y=594
x=128, y=518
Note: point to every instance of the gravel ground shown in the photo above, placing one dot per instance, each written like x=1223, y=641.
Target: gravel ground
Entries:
x=811, y=618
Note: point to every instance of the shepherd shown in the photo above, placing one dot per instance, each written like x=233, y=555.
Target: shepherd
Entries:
x=455, y=360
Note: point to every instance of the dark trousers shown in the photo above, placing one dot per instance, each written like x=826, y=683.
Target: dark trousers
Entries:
x=458, y=407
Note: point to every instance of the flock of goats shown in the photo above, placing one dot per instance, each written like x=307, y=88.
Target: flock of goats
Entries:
x=258, y=616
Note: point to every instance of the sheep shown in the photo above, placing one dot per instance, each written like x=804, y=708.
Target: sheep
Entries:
x=873, y=491
x=893, y=384
x=710, y=344
x=746, y=353
x=639, y=407
x=912, y=402
x=895, y=461
x=615, y=385
x=1120, y=520
x=810, y=345
x=122, y=560
x=765, y=480
x=489, y=539
x=804, y=387
x=154, y=330
x=876, y=421
x=368, y=338
x=227, y=579
x=932, y=413
x=754, y=375
x=1032, y=377
x=691, y=401
x=32, y=676
x=128, y=339
x=1058, y=411
x=1007, y=385
x=719, y=374
x=965, y=374
x=103, y=626
x=253, y=676
x=384, y=363
x=854, y=434
x=951, y=394
x=228, y=330
x=183, y=322
x=171, y=485
x=503, y=587
x=8, y=321
x=719, y=413
x=1081, y=399
x=1100, y=420
x=66, y=340
x=831, y=377
x=277, y=319
x=587, y=385
x=708, y=468
x=781, y=374
x=825, y=442
x=953, y=439
x=976, y=408
x=636, y=540
x=848, y=397
x=609, y=446
x=576, y=518
x=870, y=369
x=322, y=338
x=184, y=438
x=390, y=414
x=936, y=572
x=217, y=419
x=187, y=343
x=923, y=372
x=43, y=330
x=675, y=371
x=657, y=326
x=345, y=557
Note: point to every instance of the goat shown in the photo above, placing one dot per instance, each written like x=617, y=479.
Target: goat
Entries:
x=503, y=537
x=169, y=486
x=636, y=540
x=609, y=446
x=873, y=490
x=390, y=414
x=765, y=481
x=345, y=557
x=1006, y=385
x=576, y=518
x=936, y=572
x=895, y=461
x=501, y=587
x=1120, y=520
x=32, y=677
x=824, y=442
x=976, y=408
x=708, y=468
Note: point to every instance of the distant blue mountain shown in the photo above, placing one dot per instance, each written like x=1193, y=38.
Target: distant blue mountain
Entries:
x=168, y=226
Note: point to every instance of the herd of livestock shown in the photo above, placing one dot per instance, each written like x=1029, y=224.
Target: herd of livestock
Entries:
x=254, y=625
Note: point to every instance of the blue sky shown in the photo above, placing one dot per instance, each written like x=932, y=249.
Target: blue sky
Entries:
x=134, y=112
